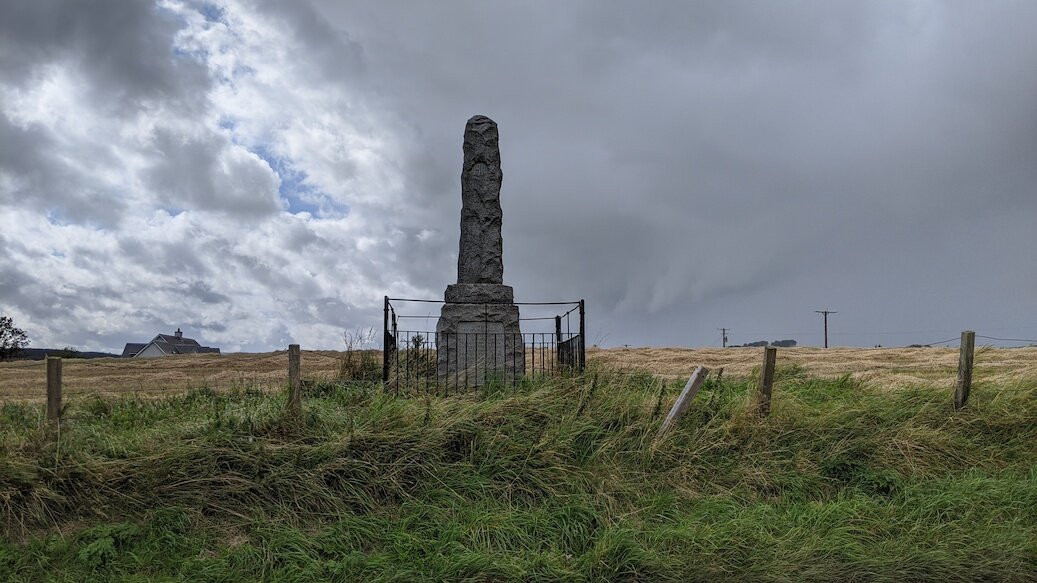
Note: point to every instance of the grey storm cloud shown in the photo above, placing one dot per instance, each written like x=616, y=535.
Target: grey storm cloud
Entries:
x=682, y=166
x=730, y=164
x=41, y=180
x=123, y=48
x=203, y=292
x=210, y=174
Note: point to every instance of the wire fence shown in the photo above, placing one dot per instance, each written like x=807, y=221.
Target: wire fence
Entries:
x=419, y=358
x=1031, y=341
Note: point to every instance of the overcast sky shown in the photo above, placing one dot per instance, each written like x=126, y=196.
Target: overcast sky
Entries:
x=261, y=173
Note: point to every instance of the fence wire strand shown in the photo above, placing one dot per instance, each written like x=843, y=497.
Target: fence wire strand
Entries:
x=1006, y=339
x=942, y=341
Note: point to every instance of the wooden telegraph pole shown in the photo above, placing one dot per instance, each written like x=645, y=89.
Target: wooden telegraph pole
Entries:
x=825, y=313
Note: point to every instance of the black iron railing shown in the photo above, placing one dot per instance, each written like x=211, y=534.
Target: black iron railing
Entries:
x=415, y=357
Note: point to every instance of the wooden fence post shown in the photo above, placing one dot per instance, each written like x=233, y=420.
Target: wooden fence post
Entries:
x=53, y=388
x=294, y=380
x=965, y=357
x=681, y=405
x=770, y=355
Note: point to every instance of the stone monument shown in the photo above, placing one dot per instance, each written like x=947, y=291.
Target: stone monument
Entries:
x=478, y=335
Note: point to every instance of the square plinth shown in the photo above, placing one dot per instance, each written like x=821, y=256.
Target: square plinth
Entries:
x=477, y=343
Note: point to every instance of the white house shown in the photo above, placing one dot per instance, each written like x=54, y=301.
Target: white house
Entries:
x=164, y=345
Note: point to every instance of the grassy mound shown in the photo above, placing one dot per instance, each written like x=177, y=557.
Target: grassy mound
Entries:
x=557, y=480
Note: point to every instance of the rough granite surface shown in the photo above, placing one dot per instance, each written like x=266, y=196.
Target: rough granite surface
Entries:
x=480, y=253
x=478, y=342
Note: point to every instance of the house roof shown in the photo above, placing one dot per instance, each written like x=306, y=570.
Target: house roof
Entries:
x=170, y=339
x=173, y=345
x=132, y=348
x=170, y=344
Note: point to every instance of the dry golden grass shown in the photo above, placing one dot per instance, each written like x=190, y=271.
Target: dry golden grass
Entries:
x=26, y=380
x=890, y=367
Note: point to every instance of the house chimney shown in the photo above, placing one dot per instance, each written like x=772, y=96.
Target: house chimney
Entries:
x=178, y=333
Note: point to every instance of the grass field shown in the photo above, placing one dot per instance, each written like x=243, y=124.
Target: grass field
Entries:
x=864, y=472
x=885, y=367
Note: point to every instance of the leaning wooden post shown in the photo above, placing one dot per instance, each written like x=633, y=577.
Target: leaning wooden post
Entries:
x=681, y=405
x=770, y=355
x=294, y=381
x=965, y=355
x=53, y=388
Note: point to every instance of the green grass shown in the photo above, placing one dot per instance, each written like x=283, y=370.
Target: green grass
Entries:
x=556, y=481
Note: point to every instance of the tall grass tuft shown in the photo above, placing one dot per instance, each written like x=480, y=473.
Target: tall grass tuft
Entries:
x=360, y=360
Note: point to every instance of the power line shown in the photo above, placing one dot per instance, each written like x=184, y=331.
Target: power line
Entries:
x=723, y=334
x=776, y=334
x=900, y=333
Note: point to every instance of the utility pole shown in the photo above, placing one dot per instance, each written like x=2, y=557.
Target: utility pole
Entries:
x=723, y=333
x=825, y=314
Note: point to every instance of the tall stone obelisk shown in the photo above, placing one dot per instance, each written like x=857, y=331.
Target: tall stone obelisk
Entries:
x=478, y=329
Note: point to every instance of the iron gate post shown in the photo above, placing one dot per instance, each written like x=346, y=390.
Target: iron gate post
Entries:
x=583, y=339
x=558, y=340
x=385, y=341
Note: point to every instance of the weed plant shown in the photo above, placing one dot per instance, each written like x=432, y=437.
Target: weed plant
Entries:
x=555, y=480
x=360, y=361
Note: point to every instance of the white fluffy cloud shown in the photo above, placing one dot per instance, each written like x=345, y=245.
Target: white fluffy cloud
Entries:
x=253, y=206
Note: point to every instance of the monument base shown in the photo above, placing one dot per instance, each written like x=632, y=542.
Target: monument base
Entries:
x=479, y=293
x=479, y=339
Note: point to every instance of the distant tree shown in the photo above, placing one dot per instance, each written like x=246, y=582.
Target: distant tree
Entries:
x=67, y=352
x=12, y=339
